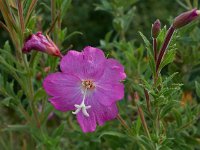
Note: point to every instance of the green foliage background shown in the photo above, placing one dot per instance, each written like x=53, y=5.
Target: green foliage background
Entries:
x=112, y=25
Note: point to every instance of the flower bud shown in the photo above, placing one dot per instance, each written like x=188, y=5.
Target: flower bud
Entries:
x=47, y=69
x=155, y=30
x=42, y=43
x=185, y=18
x=38, y=76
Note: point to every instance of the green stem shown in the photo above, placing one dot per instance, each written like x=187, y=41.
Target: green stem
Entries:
x=157, y=122
x=31, y=92
x=23, y=111
x=53, y=18
x=43, y=109
x=195, y=3
x=3, y=144
x=189, y=3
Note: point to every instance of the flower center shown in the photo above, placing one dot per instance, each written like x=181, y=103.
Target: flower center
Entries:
x=87, y=85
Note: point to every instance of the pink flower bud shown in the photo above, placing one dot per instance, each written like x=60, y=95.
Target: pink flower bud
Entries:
x=42, y=43
x=156, y=28
x=185, y=18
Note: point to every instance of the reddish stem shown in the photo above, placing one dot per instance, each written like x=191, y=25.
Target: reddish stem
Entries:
x=147, y=100
x=141, y=114
x=164, y=47
x=155, y=48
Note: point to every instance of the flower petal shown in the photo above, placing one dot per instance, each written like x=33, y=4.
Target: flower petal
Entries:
x=94, y=56
x=108, y=93
x=72, y=62
x=88, y=64
x=62, y=104
x=102, y=113
x=33, y=42
x=65, y=90
x=114, y=71
x=87, y=124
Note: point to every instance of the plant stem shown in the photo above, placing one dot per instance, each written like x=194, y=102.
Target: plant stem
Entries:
x=53, y=19
x=31, y=94
x=20, y=13
x=144, y=124
x=189, y=4
x=141, y=114
x=147, y=100
x=23, y=111
x=122, y=121
x=164, y=47
x=155, y=49
x=30, y=10
x=157, y=121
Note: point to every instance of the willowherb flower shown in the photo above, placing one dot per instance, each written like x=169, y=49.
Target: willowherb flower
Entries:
x=41, y=43
x=89, y=84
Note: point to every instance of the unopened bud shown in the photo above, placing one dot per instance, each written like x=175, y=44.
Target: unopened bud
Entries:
x=185, y=18
x=42, y=43
x=47, y=69
x=136, y=96
x=39, y=76
x=156, y=28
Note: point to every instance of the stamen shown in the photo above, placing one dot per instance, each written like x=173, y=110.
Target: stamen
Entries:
x=82, y=106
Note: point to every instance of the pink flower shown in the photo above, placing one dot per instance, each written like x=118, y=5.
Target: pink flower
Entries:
x=41, y=43
x=89, y=84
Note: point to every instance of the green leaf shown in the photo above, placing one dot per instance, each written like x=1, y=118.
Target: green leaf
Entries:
x=147, y=43
x=113, y=133
x=6, y=101
x=72, y=34
x=197, y=85
x=138, y=125
x=149, y=52
x=65, y=6
x=40, y=94
x=108, y=36
x=26, y=6
x=161, y=37
x=8, y=67
x=178, y=117
x=15, y=128
x=151, y=62
x=167, y=109
x=59, y=131
x=45, y=6
x=168, y=79
x=7, y=46
x=146, y=143
x=168, y=58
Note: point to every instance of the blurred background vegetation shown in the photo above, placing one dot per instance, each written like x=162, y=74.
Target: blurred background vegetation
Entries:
x=94, y=24
x=114, y=26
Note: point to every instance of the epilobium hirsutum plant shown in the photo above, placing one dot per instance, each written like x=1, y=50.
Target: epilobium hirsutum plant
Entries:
x=90, y=86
